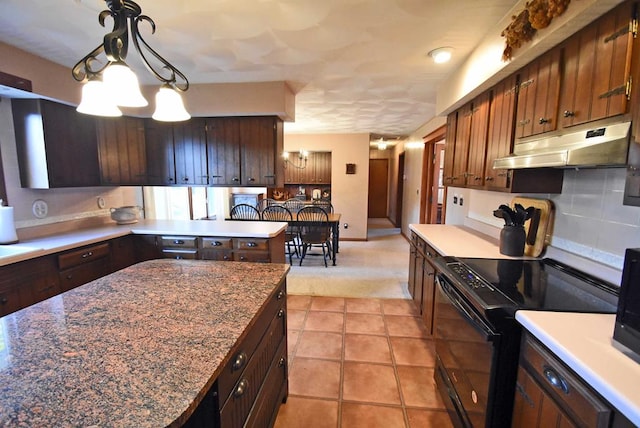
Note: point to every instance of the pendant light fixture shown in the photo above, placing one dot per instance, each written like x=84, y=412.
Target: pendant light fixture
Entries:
x=114, y=84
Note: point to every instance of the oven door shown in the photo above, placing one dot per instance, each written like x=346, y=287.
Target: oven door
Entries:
x=466, y=348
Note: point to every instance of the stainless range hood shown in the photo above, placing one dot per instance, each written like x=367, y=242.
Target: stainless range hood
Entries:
x=606, y=145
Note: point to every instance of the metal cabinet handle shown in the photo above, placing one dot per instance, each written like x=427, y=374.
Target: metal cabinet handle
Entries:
x=251, y=179
x=251, y=244
x=280, y=313
x=488, y=179
x=555, y=379
x=216, y=244
x=216, y=176
x=280, y=295
x=3, y=300
x=243, y=258
x=87, y=254
x=170, y=179
x=568, y=113
x=178, y=242
x=240, y=361
x=225, y=257
x=282, y=362
x=185, y=179
x=236, y=179
x=241, y=388
x=543, y=120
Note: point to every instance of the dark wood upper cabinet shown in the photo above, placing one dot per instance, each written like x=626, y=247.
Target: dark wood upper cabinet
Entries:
x=316, y=171
x=478, y=141
x=538, y=95
x=122, y=151
x=245, y=151
x=501, y=131
x=601, y=55
x=223, y=151
x=261, y=146
x=449, y=148
x=190, y=148
x=161, y=169
x=463, y=135
x=56, y=145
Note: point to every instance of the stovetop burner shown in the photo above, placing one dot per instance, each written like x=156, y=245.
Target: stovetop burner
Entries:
x=532, y=284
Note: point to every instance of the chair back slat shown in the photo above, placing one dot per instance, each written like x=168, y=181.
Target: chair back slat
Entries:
x=244, y=212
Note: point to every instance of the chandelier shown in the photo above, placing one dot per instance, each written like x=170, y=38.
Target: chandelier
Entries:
x=303, y=156
x=112, y=85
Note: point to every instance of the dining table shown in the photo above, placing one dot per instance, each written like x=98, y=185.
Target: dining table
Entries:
x=334, y=223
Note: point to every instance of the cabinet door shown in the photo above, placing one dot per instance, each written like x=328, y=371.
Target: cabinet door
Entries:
x=259, y=151
x=428, y=295
x=123, y=252
x=190, y=151
x=68, y=139
x=413, y=256
x=478, y=141
x=26, y=283
x=461, y=152
x=449, y=148
x=322, y=161
x=538, y=97
x=161, y=168
x=534, y=408
x=501, y=131
x=223, y=151
x=122, y=152
x=612, y=63
x=71, y=146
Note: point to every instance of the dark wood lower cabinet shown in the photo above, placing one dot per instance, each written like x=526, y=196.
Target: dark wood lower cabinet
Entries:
x=253, y=383
x=422, y=278
x=548, y=394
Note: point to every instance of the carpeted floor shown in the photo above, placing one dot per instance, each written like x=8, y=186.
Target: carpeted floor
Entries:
x=377, y=267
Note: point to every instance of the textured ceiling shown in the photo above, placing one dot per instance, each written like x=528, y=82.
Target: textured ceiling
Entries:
x=355, y=65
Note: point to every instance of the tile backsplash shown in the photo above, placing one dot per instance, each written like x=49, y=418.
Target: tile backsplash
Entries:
x=590, y=220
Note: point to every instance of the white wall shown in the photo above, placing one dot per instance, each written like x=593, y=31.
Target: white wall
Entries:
x=349, y=192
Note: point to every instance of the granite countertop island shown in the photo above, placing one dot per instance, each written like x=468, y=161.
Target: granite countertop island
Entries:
x=139, y=347
x=585, y=343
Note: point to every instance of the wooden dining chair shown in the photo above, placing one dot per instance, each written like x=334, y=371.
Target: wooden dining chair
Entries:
x=244, y=212
x=280, y=213
x=315, y=232
x=294, y=205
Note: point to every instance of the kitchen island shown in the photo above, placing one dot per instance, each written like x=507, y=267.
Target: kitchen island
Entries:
x=155, y=344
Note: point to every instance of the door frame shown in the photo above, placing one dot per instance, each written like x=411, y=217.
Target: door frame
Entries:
x=399, y=191
x=428, y=166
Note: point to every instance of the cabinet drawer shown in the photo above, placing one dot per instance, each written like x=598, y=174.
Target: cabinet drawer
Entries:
x=252, y=244
x=217, y=255
x=252, y=256
x=180, y=254
x=78, y=275
x=244, y=393
x=239, y=360
x=218, y=243
x=9, y=301
x=82, y=255
x=570, y=392
x=179, y=241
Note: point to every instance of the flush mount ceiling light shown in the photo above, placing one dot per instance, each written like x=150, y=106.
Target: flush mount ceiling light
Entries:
x=382, y=145
x=441, y=55
x=114, y=84
x=303, y=156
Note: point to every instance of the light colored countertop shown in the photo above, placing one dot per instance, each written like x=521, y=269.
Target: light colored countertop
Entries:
x=65, y=241
x=459, y=241
x=136, y=348
x=585, y=343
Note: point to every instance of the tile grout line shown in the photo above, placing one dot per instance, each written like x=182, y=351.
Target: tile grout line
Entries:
x=395, y=371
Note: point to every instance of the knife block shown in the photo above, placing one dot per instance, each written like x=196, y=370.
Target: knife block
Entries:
x=512, y=239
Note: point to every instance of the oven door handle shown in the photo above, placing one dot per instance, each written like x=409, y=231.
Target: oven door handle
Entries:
x=467, y=312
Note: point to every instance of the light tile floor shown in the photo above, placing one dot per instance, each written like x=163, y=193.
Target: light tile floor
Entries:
x=359, y=362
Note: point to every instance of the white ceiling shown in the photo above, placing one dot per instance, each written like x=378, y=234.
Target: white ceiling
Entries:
x=356, y=65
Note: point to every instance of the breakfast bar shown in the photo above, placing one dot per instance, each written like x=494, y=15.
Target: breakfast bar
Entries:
x=160, y=343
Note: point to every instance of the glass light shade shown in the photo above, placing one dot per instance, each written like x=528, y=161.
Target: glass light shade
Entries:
x=123, y=84
x=169, y=106
x=96, y=100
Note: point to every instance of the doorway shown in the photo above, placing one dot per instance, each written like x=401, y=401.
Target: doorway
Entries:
x=399, y=191
x=378, y=188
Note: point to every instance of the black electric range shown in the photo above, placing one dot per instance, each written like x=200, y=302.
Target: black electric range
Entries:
x=500, y=287
x=477, y=337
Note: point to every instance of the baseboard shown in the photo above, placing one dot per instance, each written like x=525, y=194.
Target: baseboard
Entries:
x=353, y=239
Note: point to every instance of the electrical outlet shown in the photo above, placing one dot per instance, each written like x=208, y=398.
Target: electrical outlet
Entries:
x=455, y=200
x=461, y=201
